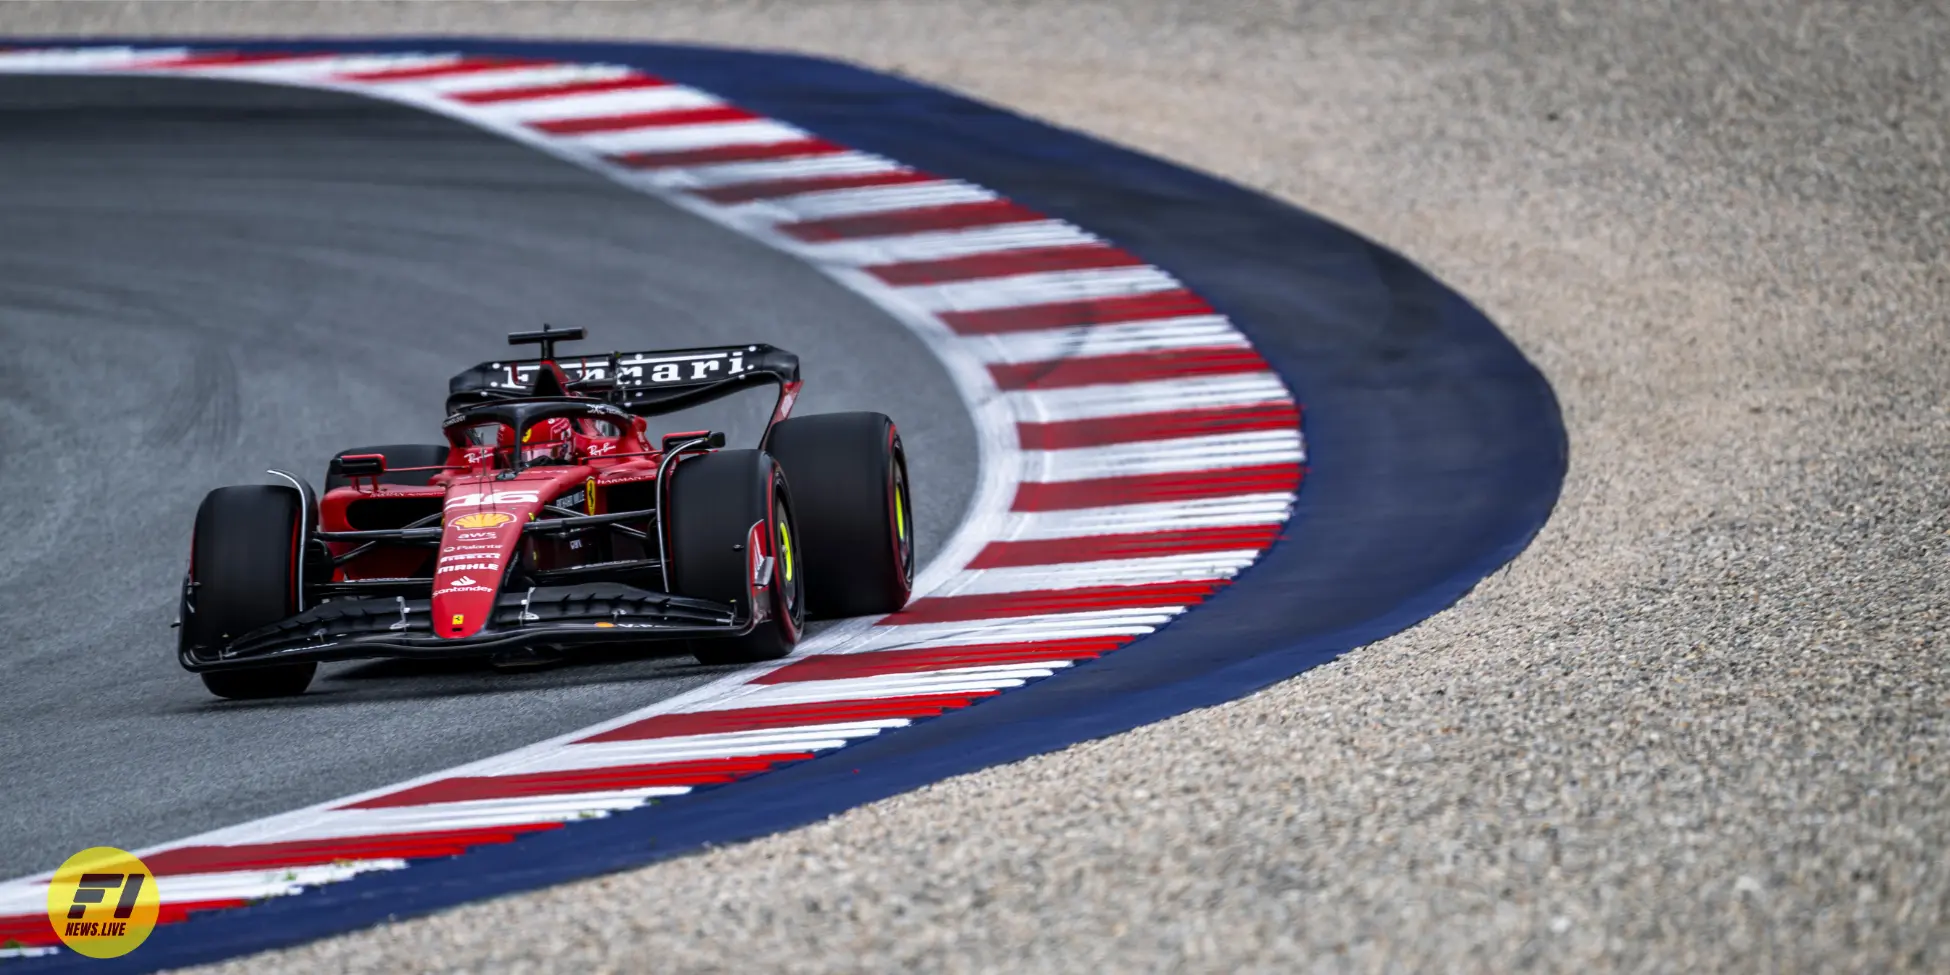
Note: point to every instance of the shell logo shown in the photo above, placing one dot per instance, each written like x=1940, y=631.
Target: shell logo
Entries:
x=482, y=519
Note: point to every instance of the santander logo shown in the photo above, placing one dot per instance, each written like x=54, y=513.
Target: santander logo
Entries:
x=464, y=581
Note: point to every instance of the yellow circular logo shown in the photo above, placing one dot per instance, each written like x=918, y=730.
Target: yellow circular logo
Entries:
x=483, y=519
x=103, y=902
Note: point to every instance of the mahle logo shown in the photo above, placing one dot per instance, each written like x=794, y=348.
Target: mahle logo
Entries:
x=103, y=902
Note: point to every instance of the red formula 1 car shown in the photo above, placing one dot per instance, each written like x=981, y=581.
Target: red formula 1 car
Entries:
x=550, y=520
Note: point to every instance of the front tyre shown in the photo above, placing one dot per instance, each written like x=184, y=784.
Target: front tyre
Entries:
x=849, y=480
x=721, y=504
x=244, y=575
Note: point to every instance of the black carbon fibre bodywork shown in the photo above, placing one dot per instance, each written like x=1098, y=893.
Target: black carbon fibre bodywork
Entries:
x=556, y=616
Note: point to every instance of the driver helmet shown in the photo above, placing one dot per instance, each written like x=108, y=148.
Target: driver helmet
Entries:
x=550, y=439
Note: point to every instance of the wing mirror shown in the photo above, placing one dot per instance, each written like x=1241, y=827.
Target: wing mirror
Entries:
x=359, y=465
x=712, y=438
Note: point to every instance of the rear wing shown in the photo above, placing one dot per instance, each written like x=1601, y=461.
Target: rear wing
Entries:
x=644, y=383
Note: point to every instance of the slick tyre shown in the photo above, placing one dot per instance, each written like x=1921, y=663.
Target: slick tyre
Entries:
x=244, y=574
x=397, y=455
x=849, y=491
x=715, y=500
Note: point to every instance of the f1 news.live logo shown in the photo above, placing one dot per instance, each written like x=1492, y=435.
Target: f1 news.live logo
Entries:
x=103, y=902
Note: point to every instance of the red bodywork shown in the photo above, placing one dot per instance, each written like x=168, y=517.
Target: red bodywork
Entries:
x=483, y=504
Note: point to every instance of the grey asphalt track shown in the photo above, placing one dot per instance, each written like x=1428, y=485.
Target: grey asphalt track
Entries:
x=199, y=280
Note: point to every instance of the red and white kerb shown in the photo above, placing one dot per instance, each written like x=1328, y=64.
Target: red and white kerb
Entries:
x=1136, y=454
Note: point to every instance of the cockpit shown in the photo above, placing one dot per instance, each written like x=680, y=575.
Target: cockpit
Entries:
x=491, y=441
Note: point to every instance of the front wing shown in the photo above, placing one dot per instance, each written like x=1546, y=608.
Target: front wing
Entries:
x=399, y=626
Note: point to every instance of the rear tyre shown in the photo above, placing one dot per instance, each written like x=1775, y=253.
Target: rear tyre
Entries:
x=244, y=566
x=849, y=486
x=715, y=500
x=397, y=455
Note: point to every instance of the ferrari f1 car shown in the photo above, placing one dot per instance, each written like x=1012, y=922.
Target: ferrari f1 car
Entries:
x=550, y=520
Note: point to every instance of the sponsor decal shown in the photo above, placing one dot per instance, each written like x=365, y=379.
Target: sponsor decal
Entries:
x=472, y=548
x=614, y=479
x=635, y=369
x=482, y=499
x=601, y=448
x=573, y=500
x=443, y=592
x=476, y=536
x=483, y=519
x=689, y=368
x=460, y=619
x=466, y=581
x=103, y=902
x=471, y=567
